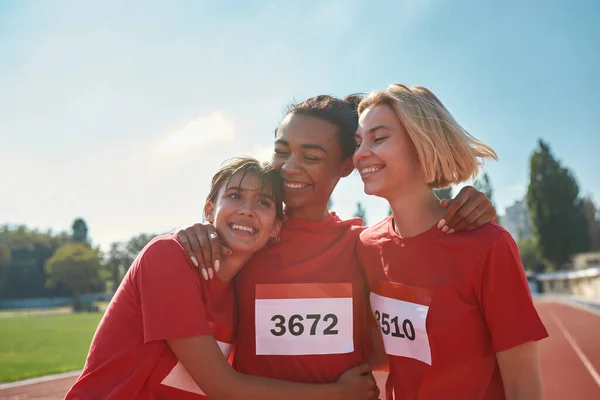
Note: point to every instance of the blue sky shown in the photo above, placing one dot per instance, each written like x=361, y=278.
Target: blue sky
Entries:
x=120, y=112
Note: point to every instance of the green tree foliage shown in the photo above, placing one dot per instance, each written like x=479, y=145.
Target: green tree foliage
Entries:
x=5, y=261
x=75, y=266
x=556, y=210
x=530, y=255
x=121, y=255
x=484, y=185
x=593, y=223
x=23, y=254
x=360, y=212
x=80, y=231
x=444, y=194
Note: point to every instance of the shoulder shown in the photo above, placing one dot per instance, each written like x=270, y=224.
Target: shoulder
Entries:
x=373, y=234
x=163, y=249
x=483, y=238
x=163, y=244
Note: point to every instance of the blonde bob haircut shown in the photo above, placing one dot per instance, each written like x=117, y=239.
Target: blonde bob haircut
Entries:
x=448, y=154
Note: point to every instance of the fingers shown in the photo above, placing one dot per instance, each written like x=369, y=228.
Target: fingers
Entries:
x=482, y=220
x=215, y=248
x=465, y=202
x=364, y=369
x=465, y=213
x=225, y=251
x=453, y=207
x=183, y=240
x=203, y=250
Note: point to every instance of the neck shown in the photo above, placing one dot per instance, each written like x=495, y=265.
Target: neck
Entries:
x=415, y=209
x=311, y=213
x=231, y=265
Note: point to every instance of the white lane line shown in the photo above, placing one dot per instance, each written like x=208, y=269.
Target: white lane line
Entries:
x=41, y=379
x=577, y=349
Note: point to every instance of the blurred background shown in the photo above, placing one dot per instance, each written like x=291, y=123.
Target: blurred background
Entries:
x=115, y=115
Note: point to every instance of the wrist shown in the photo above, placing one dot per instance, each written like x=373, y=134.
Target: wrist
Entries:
x=338, y=391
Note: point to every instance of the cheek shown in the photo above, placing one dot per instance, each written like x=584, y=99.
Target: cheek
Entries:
x=267, y=219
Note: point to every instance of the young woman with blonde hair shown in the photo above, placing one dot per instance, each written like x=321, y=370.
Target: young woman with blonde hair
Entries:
x=455, y=311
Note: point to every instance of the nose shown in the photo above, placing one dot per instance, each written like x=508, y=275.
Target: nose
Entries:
x=291, y=164
x=362, y=152
x=247, y=207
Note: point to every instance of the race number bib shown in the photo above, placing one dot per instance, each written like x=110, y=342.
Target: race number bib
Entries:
x=304, y=318
x=401, y=312
x=179, y=378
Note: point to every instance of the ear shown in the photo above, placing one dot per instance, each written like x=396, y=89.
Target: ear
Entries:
x=276, y=229
x=347, y=167
x=209, y=212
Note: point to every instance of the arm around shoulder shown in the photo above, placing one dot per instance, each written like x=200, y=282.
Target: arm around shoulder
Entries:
x=205, y=363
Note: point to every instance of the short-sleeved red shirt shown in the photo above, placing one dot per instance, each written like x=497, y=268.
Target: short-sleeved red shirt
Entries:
x=302, y=304
x=160, y=298
x=446, y=305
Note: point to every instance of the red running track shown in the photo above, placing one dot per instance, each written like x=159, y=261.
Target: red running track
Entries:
x=569, y=359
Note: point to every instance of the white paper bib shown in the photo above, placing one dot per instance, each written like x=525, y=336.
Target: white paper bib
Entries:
x=302, y=319
x=402, y=317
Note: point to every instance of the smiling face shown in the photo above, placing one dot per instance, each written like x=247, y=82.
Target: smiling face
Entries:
x=244, y=213
x=309, y=155
x=385, y=157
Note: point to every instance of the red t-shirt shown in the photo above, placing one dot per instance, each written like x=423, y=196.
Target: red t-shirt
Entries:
x=446, y=305
x=303, y=304
x=160, y=298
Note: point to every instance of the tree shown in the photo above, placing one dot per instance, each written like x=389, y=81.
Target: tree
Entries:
x=593, y=223
x=121, y=255
x=116, y=261
x=444, y=194
x=530, y=256
x=80, y=231
x=484, y=185
x=360, y=212
x=5, y=261
x=23, y=256
x=75, y=266
x=557, y=212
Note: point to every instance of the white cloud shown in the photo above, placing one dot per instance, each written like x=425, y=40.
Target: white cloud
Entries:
x=262, y=152
x=204, y=132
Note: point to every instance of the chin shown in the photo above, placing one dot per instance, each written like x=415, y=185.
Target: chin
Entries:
x=372, y=190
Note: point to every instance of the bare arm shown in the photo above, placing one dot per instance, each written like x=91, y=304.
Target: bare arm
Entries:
x=205, y=363
x=520, y=372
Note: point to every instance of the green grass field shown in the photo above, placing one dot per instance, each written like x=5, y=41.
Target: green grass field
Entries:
x=35, y=345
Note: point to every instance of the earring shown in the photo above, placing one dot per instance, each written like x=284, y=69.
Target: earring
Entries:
x=275, y=239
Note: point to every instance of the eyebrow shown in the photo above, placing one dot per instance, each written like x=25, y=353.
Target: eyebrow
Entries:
x=239, y=189
x=304, y=146
x=378, y=127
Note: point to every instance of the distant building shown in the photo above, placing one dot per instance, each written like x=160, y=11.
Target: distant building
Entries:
x=582, y=281
x=586, y=260
x=516, y=221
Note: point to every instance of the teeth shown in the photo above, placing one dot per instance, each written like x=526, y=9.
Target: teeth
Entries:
x=242, y=228
x=294, y=185
x=369, y=170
